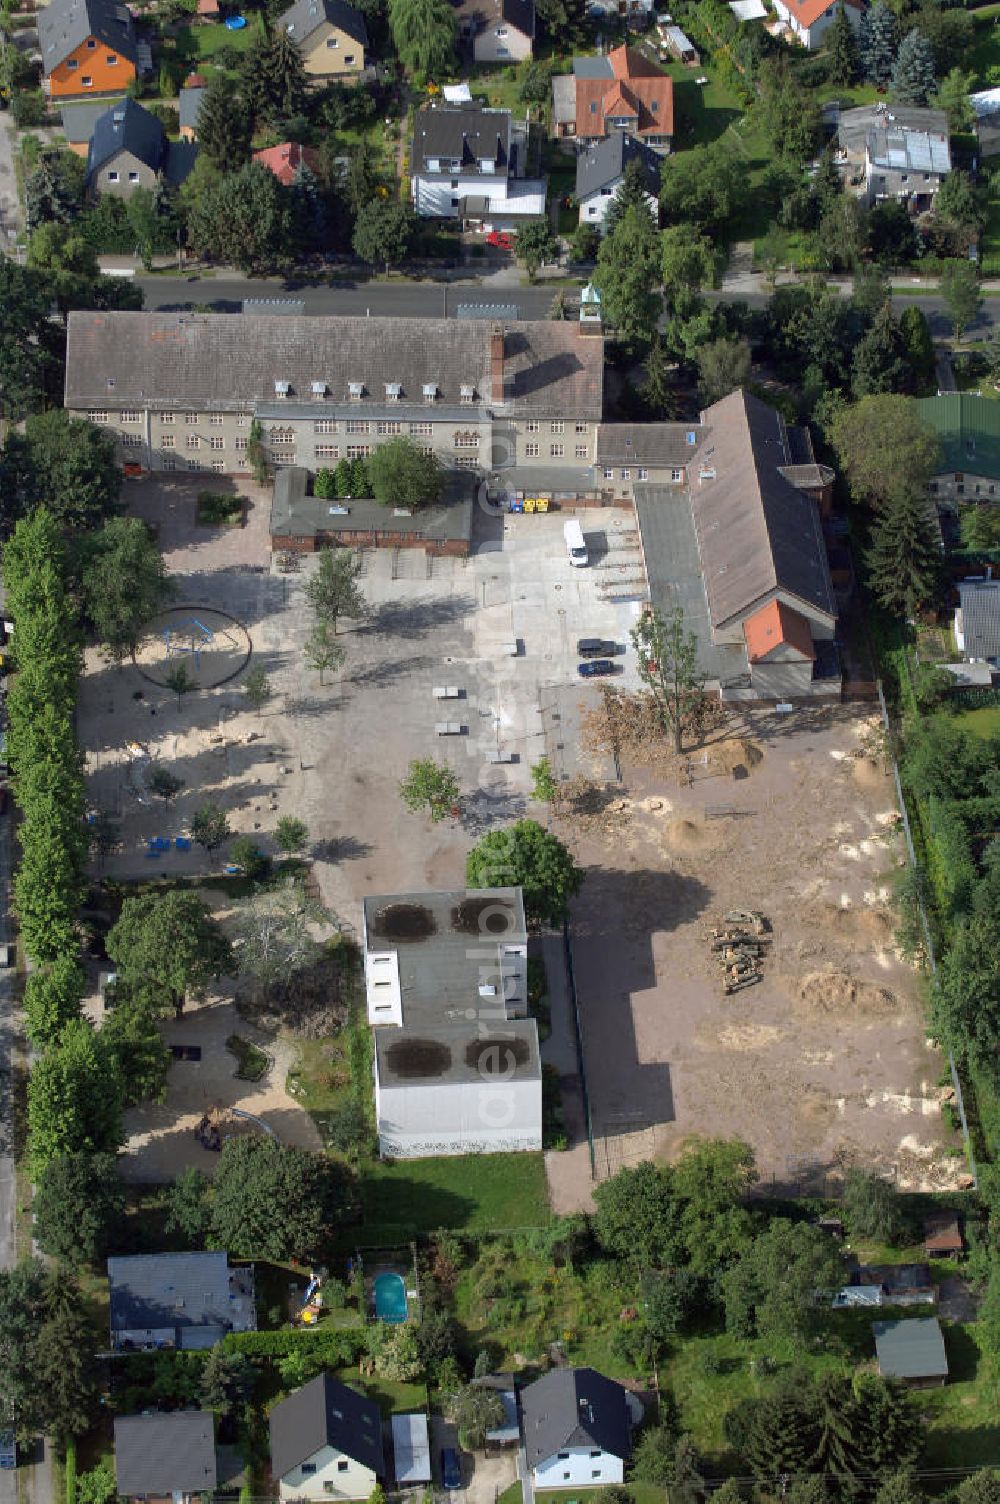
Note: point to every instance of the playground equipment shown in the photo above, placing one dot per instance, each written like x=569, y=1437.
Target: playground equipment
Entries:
x=219, y=1124
x=190, y=638
x=312, y=1301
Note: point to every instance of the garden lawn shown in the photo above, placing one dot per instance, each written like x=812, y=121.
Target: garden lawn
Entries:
x=985, y=721
x=320, y=1080
x=200, y=43
x=392, y=1396
x=469, y=1192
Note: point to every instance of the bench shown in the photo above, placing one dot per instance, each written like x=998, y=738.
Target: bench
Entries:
x=450, y=728
x=446, y=692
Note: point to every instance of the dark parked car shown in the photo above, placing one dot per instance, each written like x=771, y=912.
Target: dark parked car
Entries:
x=8, y=1449
x=595, y=668
x=451, y=1468
x=596, y=647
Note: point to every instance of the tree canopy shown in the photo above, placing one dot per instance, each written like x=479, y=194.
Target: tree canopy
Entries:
x=167, y=945
x=76, y=1098
x=79, y=1208
x=66, y=464
x=526, y=855
x=123, y=583
x=274, y=1201
x=402, y=475
x=885, y=448
x=782, y=1283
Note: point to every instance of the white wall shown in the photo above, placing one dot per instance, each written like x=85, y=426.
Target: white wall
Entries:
x=354, y=1482
x=432, y=197
x=460, y=1117
x=579, y=1467
x=490, y=47
x=781, y=681
x=594, y=208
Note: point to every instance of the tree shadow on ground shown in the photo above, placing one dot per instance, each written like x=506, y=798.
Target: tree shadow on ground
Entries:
x=341, y=849
x=417, y=618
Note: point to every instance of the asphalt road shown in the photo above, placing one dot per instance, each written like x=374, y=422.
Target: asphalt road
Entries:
x=433, y=299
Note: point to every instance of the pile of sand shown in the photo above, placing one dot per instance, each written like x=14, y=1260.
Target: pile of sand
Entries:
x=688, y=835
x=868, y=923
x=734, y=752
x=835, y=992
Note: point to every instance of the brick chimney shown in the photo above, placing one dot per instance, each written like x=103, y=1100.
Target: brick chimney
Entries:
x=496, y=364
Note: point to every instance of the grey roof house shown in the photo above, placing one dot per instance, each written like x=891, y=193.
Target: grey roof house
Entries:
x=600, y=168
x=87, y=46
x=78, y=121
x=912, y=1350
x=165, y=1456
x=189, y=108
x=326, y=1441
x=468, y=162
x=331, y=37
x=977, y=620
x=129, y=149
x=896, y=152
x=497, y=30
x=184, y=1300
x=577, y=1429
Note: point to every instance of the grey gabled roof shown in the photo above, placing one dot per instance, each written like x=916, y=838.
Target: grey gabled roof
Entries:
x=660, y=444
x=78, y=120
x=574, y=1407
x=854, y=125
x=230, y=362
x=178, y=160
x=126, y=126
x=980, y=604
x=189, y=106
x=165, y=1454
x=305, y=16
x=64, y=24
x=592, y=67
x=602, y=164
x=323, y=1413
x=467, y=133
x=912, y=1349
x=757, y=532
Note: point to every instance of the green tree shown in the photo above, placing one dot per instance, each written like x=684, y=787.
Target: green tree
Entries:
x=79, y=1208
x=402, y=475
x=322, y=651
x=965, y=1000
x=24, y=1306
x=333, y=591
x=243, y=220
x=53, y=189
x=704, y=187
x=227, y=1380
x=913, y=71
x=904, y=557
x=633, y=192
x=187, y=1208
x=919, y=343
x=962, y=295
x=658, y=390
x=257, y=459
x=474, y=1410
x=953, y=97
x=276, y=1202
x=627, y=276
x=584, y=243
x=291, y=835
x=75, y=1098
x=527, y=856
x=723, y=366
x=52, y=998
x=786, y=112
x=247, y=855
x=534, y=83
x=383, y=232
x=535, y=245
x=429, y=786
x=224, y=125
x=878, y=42
x=63, y=463
x=885, y=448
x=425, y=35
x=179, y=681
x=777, y=1287
x=29, y=350
x=668, y=667
x=637, y=1215
x=97, y=1486
x=163, y=783
x=872, y=1206
x=167, y=946
x=257, y=688
x=687, y=261
x=65, y=1370
x=842, y=50
x=842, y=233
x=900, y=1488
x=210, y=827
x=123, y=583
x=881, y=360
x=543, y=784
x=982, y=1487
x=131, y=1032
x=960, y=207
x=274, y=77
x=565, y=22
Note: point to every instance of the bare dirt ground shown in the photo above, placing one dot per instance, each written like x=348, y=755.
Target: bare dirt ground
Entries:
x=821, y=1065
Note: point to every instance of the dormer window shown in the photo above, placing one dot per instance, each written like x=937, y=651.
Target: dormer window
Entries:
x=282, y=388
x=111, y=383
x=356, y=390
x=654, y=105
x=467, y=394
x=393, y=391
x=318, y=388
x=430, y=391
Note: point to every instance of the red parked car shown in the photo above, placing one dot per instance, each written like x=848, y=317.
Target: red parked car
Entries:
x=501, y=240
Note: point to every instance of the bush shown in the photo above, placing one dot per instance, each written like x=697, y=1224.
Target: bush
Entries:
x=336, y=1348
x=252, y=1064
x=217, y=509
x=325, y=485
x=29, y=107
x=245, y=853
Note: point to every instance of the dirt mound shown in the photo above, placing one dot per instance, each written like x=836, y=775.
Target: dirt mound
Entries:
x=734, y=752
x=835, y=992
x=874, y=924
x=688, y=835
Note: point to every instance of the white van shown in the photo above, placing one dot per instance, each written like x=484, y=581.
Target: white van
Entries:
x=575, y=544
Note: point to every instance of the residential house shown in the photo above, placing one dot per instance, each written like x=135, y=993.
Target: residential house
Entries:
x=183, y=1300
x=943, y=1235
x=411, y=1450
x=457, y=1068
x=286, y=160
x=331, y=37
x=519, y=401
x=898, y=152
x=326, y=1442
x=165, y=1456
x=468, y=162
x=87, y=47
x=600, y=168
x=129, y=149
x=497, y=31
x=749, y=10
x=189, y=108
x=677, y=44
x=729, y=517
x=968, y=428
x=621, y=91
x=888, y=1285
x=78, y=121
x=808, y=21
x=912, y=1350
x=577, y=1429
x=977, y=622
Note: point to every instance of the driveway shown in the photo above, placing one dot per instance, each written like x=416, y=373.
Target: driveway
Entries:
x=10, y=209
